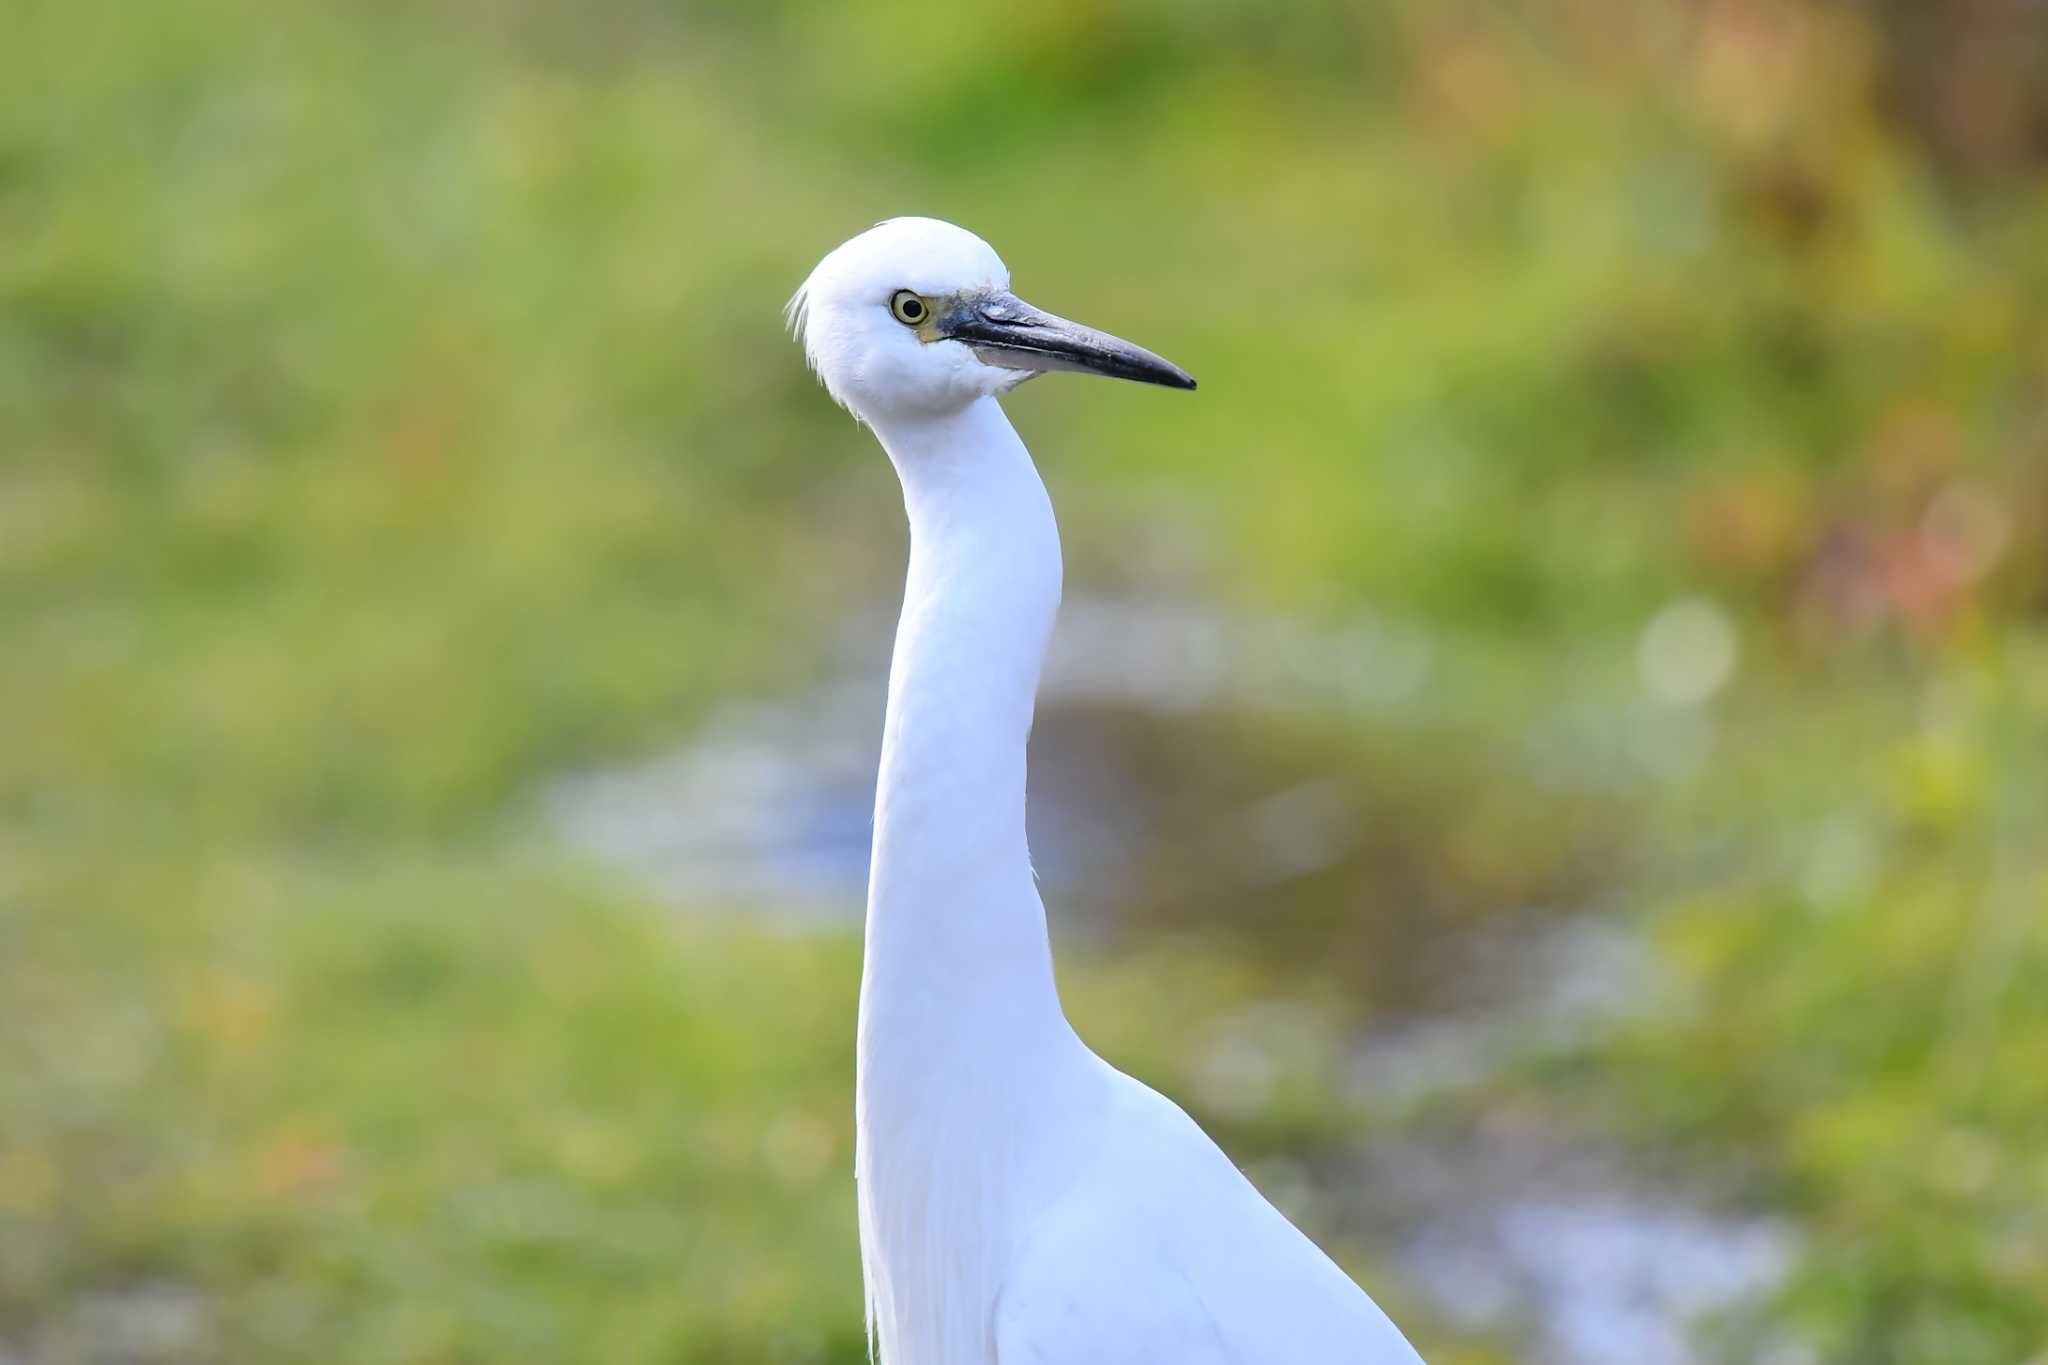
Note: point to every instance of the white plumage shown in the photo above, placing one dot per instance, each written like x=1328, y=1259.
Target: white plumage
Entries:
x=1021, y=1201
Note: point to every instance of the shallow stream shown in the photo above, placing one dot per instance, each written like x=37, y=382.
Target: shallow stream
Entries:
x=1177, y=778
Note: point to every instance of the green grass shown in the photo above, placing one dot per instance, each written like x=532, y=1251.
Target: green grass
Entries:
x=394, y=411
x=442, y=1108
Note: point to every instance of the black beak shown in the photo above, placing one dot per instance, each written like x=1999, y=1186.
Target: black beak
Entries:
x=1004, y=330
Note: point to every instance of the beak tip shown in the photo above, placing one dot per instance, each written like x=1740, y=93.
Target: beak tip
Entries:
x=1006, y=332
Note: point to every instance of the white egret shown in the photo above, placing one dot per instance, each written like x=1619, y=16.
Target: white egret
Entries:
x=1021, y=1201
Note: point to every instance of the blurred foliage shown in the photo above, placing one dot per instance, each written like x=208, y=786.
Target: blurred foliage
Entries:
x=394, y=409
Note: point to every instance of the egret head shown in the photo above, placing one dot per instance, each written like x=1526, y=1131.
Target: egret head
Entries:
x=915, y=316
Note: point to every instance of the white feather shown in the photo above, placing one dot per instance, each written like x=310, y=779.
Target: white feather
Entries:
x=1021, y=1202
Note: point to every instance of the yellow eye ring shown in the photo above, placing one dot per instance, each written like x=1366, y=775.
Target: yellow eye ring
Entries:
x=909, y=309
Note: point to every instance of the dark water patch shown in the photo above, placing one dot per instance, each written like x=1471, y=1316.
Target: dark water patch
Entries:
x=1252, y=779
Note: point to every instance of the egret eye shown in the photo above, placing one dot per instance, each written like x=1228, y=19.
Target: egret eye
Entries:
x=910, y=310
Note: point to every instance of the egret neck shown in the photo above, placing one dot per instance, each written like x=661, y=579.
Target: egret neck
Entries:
x=956, y=933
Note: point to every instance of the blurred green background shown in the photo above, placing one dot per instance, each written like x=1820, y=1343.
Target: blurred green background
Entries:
x=1612, y=515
